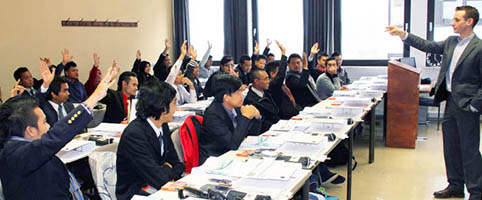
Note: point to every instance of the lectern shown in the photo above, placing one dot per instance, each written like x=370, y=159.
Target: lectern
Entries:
x=402, y=105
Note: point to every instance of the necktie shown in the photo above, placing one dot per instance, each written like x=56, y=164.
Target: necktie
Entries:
x=161, y=142
x=74, y=187
x=233, y=119
x=288, y=92
x=60, y=113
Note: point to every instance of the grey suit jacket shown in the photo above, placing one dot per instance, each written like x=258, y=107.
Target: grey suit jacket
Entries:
x=467, y=77
x=325, y=87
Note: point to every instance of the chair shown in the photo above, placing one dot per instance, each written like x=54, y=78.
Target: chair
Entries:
x=103, y=166
x=188, y=137
x=176, y=140
x=426, y=101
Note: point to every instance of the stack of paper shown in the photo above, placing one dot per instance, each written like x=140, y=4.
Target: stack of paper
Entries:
x=75, y=150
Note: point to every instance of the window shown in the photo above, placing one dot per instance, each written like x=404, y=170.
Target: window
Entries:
x=281, y=20
x=206, y=24
x=363, y=25
x=444, y=13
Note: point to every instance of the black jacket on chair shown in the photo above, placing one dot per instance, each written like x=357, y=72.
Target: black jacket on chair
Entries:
x=139, y=159
x=30, y=169
x=114, y=112
x=218, y=134
x=298, y=84
x=266, y=106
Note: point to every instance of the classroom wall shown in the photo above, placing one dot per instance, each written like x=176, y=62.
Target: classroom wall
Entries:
x=32, y=29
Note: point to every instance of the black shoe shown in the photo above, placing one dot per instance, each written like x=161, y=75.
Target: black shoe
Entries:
x=447, y=193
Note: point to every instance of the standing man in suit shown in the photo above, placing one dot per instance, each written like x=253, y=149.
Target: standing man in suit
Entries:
x=29, y=168
x=259, y=96
x=226, y=121
x=119, y=101
x=53, y=100
x=146, y=154
x=459, y=83
x=300, y=82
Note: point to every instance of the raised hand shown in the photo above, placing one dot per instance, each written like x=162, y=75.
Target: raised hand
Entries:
x=305, y=61
x=183, y=48
x=66, y=57
x=193, y=54
x=96, y=60
x=46, y=74
x=167, y=43
x=18, y=89
x=314, y=49
x=210, y=45
x=190, y=50
x=268, y=42
x=107, y=81
x=256, y=49
x=281, y=47
x=138, y=54
x=188, y=82
x=394, y=31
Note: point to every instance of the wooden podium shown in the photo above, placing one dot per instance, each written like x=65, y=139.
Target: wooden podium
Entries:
x=402, y=106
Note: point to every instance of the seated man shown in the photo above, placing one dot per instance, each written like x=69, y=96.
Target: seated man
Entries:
x=119, y=101
x=29, y=167
x=281, y=94
x=23, y=75
x=341, y=71
x=177, y=80
x=53, y=100
x=226, y=67
x=258, y=61
x=329, y=81
x=243, y=69
x=259, y=96
x=76, y=88
x=226, y=121
x=300, y=82
x=146, y=154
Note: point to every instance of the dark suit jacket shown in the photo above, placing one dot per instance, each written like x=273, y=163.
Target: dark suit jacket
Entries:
x=298, y=84
x=51, y=113
x=467, y=77
x=266, y=106
x=218, y=134
x=30, y=170
x=244, y=77
x=287, y=109
x=315, y=73
x=115, y=107
x=139, y=159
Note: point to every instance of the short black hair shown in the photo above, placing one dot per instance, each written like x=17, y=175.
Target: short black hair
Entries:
x=259, y=57
x=270, y=54
x=293, y=56
x=154, y=99
x=69, y=65
x=226, y=84
x=143, y=66
x=18, y=72
x=243, y=59
x=329, y=59
x=125, y=76
x=210, y=57
x=271, y=67
x=334, y=54
x=255, y=74
x=55, y=86
x=16, y=114
x=322, y=54
x=470, y=12
x=225, y=60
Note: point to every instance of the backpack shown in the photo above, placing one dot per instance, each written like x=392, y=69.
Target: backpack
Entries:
x=188, y=133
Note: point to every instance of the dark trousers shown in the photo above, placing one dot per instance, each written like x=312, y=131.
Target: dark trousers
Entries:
x=461, y=140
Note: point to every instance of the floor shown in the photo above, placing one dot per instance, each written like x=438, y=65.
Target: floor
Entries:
x=396, y=174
